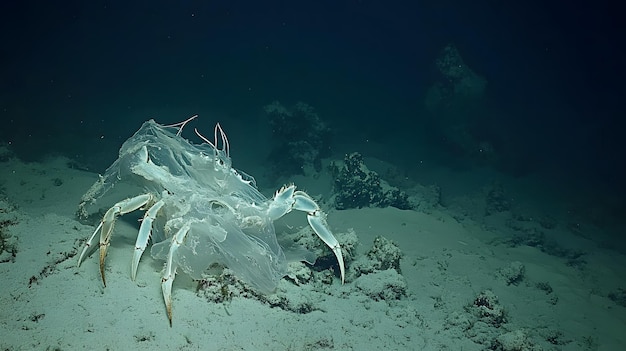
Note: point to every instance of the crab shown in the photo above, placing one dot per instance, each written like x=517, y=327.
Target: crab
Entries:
x=199, y=210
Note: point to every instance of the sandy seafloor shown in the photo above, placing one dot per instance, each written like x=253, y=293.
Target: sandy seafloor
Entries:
x=558, y=280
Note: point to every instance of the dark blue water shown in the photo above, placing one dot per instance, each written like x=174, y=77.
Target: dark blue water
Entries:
x=79, y=77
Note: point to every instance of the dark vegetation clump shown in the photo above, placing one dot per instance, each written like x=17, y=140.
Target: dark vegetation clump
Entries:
x=300, y=139
x=8, y=245
x=356, y=186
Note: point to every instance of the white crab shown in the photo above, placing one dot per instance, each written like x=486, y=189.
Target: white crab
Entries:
x=199, y=210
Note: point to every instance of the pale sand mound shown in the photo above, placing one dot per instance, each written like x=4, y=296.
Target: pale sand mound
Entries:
x=464, y=283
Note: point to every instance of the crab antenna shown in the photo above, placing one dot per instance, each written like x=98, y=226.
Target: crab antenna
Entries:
x=181, y=124
x=215, y=143
x=215, y=135
x=224, y=139
x=204, y=138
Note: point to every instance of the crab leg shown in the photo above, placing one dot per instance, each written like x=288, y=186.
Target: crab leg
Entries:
x=144, y=235
x=106, y=226
x=169, y=273
x=88, y=244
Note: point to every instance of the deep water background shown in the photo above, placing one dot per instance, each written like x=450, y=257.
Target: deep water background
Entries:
x=79, y=77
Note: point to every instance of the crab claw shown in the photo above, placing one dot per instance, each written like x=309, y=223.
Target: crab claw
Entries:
x=317, y=221
x=287, y=199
